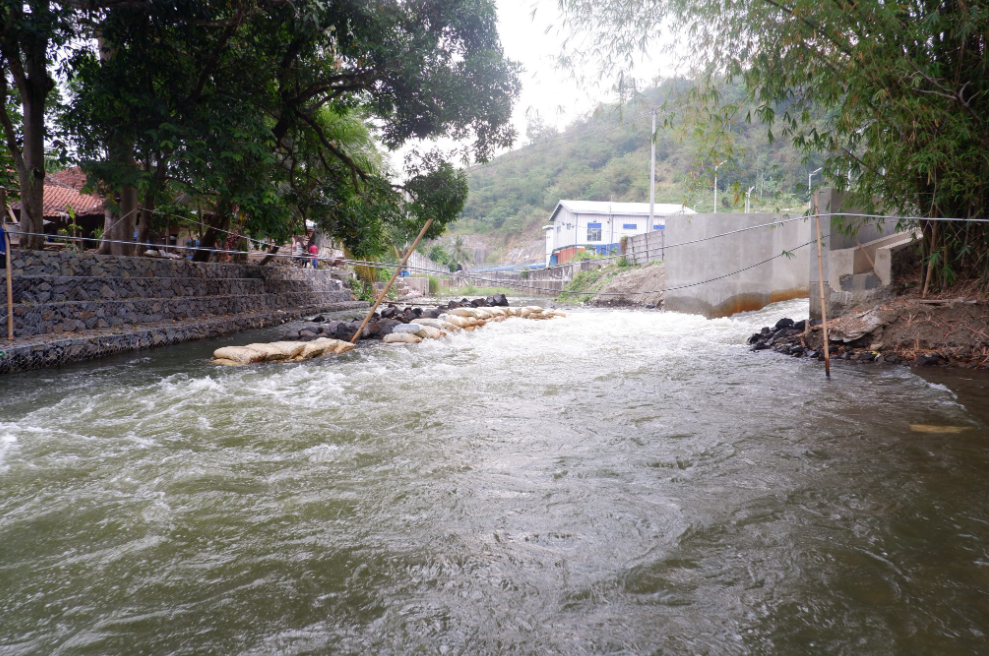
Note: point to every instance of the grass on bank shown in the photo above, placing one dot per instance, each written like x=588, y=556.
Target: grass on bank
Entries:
x=581, y=289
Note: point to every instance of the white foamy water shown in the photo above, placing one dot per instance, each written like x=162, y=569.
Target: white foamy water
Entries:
x=616, y=482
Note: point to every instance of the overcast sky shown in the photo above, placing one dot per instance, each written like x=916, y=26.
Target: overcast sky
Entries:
x=544, y=88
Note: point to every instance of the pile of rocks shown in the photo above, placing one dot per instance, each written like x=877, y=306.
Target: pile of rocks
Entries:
x=384, y=322
x=789, y=338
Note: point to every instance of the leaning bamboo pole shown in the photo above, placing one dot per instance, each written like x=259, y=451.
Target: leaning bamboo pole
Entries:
x=381, y=296
x=820, y=282
x=7, y=259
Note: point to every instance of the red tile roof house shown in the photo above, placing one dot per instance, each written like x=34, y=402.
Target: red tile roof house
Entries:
x=62, y=191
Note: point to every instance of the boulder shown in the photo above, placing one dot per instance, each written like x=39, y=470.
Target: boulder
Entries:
x=800, y=325
x=500, y=300
x=343, y=331
x=384, y=327
x=306, y=334
x=784, y=323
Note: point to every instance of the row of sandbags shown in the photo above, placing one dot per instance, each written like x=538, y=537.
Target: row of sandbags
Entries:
x=409, y=333
x=462, y=319
x=279, y=351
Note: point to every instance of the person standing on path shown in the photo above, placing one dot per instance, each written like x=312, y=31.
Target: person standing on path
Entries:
x=314, y=251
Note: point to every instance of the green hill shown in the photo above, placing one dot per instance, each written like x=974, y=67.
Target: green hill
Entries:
x=606, y=156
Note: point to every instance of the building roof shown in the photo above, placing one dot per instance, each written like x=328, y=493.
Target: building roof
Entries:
x=59, y=196
x=72, y=177
x=606, y=208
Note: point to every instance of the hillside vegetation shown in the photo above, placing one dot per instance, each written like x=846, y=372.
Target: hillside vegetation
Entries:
x=605, y=156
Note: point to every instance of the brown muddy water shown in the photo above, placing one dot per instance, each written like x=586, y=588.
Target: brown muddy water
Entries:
x=618, y=482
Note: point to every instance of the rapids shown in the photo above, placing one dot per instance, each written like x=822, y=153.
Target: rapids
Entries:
x=616, y=482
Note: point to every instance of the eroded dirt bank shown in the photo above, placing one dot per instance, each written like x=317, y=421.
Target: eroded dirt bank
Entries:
x=948, y=331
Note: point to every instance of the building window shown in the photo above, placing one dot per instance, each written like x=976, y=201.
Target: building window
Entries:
x=629, y=226
x=593, y=232
x=658, y=227
x=558, y=228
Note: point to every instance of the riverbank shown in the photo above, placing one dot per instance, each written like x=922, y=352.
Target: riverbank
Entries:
x=77, y=306
x=928, y=332
x=618, y=285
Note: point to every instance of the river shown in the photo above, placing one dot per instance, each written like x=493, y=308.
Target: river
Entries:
x=617, y=482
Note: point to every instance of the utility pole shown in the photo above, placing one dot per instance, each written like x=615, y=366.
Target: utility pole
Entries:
x=652, y=181
x=652, y=173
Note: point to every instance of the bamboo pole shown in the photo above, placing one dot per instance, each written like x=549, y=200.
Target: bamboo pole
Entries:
x=820, y=281
x=381, y=296
x=9, y=255
x=10, y=288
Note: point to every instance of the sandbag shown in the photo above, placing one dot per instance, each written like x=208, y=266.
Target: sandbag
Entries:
x=291, y=348
x=438, y=323
x=318, y=347
x=226, y=363
x=401, y=338
x=239, y=354
x=343, y=347
x=428, y=332
x=458, y=321
x=463, y=312
x=483, y=313
x=559, y=313
x=271, y=352
x=411, y=328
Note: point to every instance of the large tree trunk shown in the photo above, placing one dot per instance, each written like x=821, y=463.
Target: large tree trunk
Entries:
x=121, y=149
x=146, y=213
x=270, y=256
x=217, y=224
x=26, y=55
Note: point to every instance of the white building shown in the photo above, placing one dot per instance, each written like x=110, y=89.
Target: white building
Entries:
x=581, y=225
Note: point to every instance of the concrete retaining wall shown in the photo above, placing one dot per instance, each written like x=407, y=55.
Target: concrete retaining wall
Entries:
x=850, y=280
x=697, y=268
x=69, y=306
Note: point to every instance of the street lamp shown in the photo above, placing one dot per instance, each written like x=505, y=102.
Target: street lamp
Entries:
x=810, y=198
x=716, y=167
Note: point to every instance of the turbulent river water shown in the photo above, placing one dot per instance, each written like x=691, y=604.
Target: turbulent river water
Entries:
x=617, y=482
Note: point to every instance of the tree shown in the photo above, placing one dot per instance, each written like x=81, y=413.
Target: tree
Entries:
x=896, y=95
x=252, y=105
x=31, y=34
x=459, y=252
